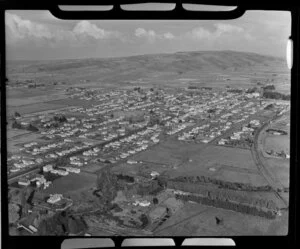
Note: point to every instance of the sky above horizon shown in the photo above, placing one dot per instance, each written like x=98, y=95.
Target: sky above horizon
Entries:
x=37, y=35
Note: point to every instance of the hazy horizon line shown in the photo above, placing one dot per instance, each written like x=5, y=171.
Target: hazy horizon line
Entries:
x=166, y=53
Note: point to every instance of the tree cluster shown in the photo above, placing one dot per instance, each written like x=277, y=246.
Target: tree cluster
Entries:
x=107, y=183
x=16, y=125
x=125, y=178
x=61, y=224
x=59, y=118
x=269, y=107
x=143, y=218
x=269, y=87
x=32, y=128
x=13, y=213
x=252, y=90
x=276, y=95
x=193, y=87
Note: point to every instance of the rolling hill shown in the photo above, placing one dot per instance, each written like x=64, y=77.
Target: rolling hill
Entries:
x=176, y=62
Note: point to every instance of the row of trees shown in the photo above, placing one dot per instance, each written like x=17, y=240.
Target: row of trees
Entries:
x=235, y=90
x=238, y=207
x=269, y=87
x=221, y=183
x=223, y=195
x=276, y=95
x=199, y=87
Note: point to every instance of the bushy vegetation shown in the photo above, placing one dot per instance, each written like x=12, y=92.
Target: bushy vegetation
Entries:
x=62, y=224
x=126, y=178
x=235, y=90
x=193, y=87
x=276, y=95
x=16, y=125
x=143, y=218
x=252, y=90
x=60, y=118
x=32, y=128
x=269, y=107
x=269, y=87
x=107, y=184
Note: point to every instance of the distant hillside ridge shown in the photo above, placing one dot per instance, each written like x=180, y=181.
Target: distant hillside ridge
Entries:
x=175, y=62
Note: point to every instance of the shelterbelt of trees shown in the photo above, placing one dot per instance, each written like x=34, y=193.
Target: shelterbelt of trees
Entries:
x=237, y=201
x=227, y=195
x=216, y=200
x=220, y=183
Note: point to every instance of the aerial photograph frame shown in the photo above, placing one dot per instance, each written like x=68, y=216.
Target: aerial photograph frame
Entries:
x=179, y=13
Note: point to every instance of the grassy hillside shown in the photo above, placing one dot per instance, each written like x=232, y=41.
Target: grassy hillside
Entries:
x=177, y=62
x=207, y=68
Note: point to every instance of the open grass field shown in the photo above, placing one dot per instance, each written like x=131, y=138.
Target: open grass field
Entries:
x=12, y=144
x=224, y=163
x=221, y=155
x=281, y=142
x=199, y=220
x=71, y=182
x=33, y=108
x=170, y=152
x=280, y=169
x=17, y=97
x=14, y=133
x=277, y=143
